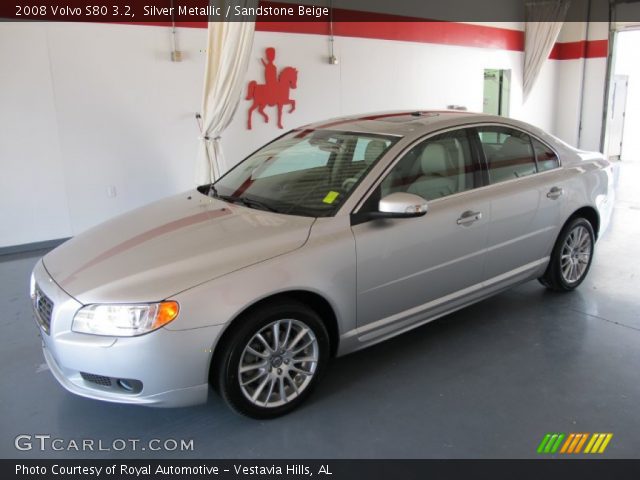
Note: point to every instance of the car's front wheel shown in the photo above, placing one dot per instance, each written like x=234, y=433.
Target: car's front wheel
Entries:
x=571, y=257
x=272, y=359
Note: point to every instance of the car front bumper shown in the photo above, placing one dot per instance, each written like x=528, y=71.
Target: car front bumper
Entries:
x=170, y=367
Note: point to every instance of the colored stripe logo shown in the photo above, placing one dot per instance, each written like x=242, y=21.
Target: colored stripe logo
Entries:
x=574, y=443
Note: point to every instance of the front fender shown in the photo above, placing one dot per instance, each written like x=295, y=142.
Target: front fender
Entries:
x=325, y=265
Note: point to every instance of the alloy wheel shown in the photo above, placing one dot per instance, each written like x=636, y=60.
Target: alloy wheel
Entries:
x=278, y=363
x=576, y=254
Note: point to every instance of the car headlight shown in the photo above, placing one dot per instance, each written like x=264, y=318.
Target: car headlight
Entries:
x=124, y=320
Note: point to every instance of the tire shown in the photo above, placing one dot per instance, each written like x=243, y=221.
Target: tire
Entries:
x=571, y=257
x=290, y=371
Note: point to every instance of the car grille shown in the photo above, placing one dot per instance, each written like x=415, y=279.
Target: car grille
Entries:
x=97, y=379
x=44, y=309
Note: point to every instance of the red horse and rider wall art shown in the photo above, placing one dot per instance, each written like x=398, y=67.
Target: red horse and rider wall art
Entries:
x=274, y=91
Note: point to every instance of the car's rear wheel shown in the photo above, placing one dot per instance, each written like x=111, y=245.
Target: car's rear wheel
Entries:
x=272, y=359
x=571, y=257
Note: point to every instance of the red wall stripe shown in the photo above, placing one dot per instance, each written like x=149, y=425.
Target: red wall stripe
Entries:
x=580, y=49
x=442, y=33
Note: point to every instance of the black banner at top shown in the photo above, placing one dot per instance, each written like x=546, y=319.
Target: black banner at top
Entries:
x=199, y=11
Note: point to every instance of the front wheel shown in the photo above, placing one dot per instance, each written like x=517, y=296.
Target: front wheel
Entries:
x=571, y=257
x=272, y=360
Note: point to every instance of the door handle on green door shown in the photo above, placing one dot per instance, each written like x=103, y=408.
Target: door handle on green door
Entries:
x=468, y=217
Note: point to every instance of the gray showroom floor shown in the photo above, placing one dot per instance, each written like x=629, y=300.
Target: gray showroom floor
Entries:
x=488, y=381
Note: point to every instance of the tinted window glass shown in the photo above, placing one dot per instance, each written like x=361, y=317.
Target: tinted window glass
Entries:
x=435, y=168
x=367, y=149
x=303, y=173
x=508, y=152
x=546, y=158
x=299, y=156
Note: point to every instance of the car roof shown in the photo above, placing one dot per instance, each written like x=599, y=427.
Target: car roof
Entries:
x=407, y=122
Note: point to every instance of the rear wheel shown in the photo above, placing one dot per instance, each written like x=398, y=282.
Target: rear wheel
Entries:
x=272, y=360
x=571, y=257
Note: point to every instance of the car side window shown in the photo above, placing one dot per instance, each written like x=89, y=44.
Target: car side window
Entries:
x=508, y=152
x=545, y=157
x=440, y=166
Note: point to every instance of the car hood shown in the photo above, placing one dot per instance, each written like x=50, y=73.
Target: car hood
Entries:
x=169, y=246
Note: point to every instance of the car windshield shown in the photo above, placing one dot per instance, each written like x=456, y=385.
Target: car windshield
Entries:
x=306, y=172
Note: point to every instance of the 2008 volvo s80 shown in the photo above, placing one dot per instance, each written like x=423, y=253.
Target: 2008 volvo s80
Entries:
x=329, y=239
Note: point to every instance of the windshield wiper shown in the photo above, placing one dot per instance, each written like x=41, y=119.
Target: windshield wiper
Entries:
x=247, y=202
x=251, y=203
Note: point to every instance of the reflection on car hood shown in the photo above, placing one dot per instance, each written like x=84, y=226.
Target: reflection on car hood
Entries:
x=169, y=246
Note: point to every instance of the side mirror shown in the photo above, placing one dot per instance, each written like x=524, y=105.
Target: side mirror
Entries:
x=401, y=205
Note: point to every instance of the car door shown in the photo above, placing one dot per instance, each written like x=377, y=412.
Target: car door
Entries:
x=525, y=208
x=408, y=267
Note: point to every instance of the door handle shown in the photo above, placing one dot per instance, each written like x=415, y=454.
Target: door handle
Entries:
x=468, y=217
x=555, y=193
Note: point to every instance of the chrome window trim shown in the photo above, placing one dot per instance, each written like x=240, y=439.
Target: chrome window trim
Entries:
x=429, y=135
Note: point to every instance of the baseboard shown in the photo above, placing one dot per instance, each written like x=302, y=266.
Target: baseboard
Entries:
x=30, y=247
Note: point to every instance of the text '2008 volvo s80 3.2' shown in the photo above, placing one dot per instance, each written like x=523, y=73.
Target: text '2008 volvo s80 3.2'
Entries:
x=331, y=238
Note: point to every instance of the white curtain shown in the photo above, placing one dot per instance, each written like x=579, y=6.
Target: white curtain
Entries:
x=543, y=22
x=229, y=47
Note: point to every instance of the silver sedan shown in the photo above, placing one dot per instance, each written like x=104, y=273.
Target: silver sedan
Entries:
x=331, y=238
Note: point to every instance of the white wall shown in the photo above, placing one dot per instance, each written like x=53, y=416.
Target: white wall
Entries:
x=86, y=107
x=33, y=195
x=626, y=63
x=375, y=75
x=580, y=89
